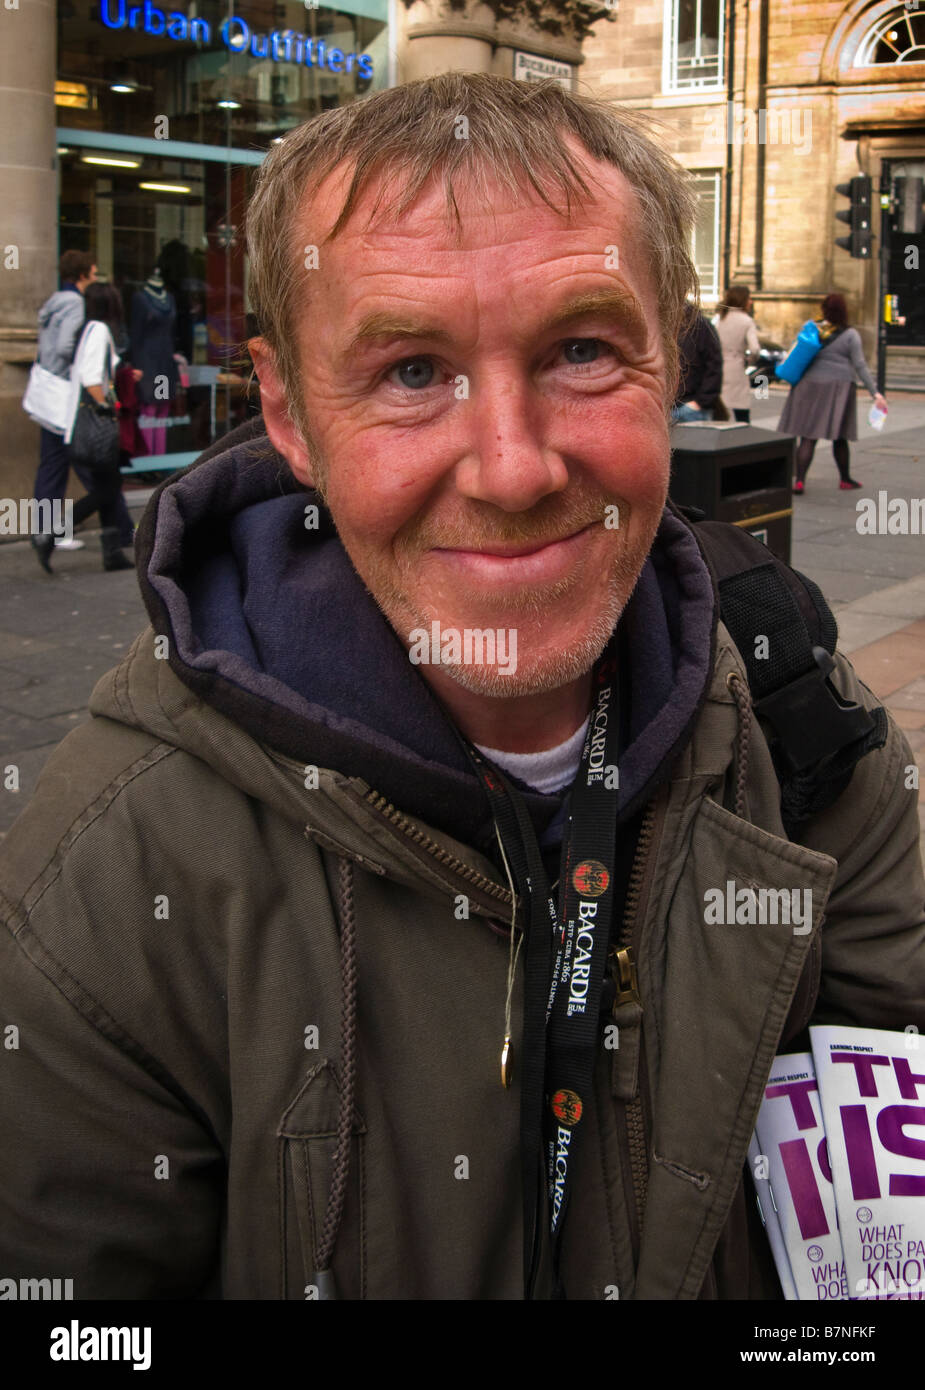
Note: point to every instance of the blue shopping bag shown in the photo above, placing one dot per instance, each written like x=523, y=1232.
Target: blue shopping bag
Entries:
x=801, y=354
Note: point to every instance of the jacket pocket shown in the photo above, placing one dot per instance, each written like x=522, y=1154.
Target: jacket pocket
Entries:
x=735, y=942
x=307, y=1137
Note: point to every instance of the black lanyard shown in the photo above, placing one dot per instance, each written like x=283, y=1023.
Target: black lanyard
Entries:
x=566, y=954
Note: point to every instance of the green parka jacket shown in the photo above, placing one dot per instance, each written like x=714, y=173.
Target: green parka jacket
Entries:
x=175, y=902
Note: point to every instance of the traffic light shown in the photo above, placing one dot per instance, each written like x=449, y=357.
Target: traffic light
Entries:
x=858, y=217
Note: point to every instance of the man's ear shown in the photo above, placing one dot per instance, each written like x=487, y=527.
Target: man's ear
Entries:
x=283, y=431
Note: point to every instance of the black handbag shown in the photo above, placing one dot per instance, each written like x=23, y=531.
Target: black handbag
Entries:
x=95, y=440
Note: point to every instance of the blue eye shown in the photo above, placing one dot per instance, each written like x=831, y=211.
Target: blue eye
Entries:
x=415, y=372
x=584, y=350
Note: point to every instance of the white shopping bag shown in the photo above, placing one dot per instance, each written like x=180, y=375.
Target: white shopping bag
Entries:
x=49, y=399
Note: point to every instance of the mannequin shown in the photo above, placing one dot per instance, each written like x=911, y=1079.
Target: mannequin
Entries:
x=153, y=323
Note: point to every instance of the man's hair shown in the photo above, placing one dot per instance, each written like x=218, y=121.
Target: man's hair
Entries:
x=512, y=136
x=74, y=264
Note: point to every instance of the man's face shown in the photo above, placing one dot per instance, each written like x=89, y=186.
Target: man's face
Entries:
x=494, y=453
x=85, y=280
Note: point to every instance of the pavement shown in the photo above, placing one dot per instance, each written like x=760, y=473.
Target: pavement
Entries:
x=60, y=634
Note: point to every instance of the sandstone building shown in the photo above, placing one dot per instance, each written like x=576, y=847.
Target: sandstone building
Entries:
x=771, y=104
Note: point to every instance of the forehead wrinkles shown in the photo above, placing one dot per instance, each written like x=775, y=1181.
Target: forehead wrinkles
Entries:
x=507, y=274
x=375, y=242
x=373, y=225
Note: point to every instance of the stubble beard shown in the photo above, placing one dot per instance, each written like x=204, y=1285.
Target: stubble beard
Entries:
x=556, y=670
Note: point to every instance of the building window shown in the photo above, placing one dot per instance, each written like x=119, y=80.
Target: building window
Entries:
x=899, y=38
x=164, y=116
x=693, y=45
x=705, y=239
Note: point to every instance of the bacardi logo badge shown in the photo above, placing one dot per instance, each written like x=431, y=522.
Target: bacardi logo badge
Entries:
x=567, y=1107
x=590, y=878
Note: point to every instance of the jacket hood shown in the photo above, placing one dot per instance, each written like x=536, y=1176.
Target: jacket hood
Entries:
x=160, y=305
x=61, y=302
x=268, y=623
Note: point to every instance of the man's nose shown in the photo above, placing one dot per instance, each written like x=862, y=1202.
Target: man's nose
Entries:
x=507, y=462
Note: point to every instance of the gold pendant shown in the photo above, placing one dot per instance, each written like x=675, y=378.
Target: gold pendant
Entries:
x=506, y=1061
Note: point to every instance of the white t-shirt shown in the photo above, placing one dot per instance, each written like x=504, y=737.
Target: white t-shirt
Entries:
x=549, y=771
x=90, y=357
x=89, y=367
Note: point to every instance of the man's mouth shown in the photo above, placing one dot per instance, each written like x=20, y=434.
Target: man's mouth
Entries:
x=514, y=550
x=537, y=561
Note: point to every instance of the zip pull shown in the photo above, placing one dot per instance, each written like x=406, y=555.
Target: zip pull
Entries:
x=506, y=1060
x=627, y=1016
x=507, y=1050
x=625, y=971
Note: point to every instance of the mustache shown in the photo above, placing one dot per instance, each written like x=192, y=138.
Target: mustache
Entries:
x=553, y=519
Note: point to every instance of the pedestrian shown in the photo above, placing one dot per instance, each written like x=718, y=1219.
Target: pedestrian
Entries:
x=738, y=338
x=94, y=370
x=60, y=320
x=285, y=916
x=701, y=370
x=823, y=403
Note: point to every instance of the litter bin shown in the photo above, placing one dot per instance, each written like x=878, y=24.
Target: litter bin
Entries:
x=743, y=475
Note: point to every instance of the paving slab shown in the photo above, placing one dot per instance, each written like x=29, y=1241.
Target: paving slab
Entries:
x=860, y=629
x=44, y=696
x=29, y=763
x=906, y=600
x=19, y=731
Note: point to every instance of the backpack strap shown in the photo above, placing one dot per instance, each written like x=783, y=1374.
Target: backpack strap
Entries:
x=817, y=737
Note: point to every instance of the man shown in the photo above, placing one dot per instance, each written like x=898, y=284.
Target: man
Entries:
x=279, y=1033
x=701, y=377
x=61, y=319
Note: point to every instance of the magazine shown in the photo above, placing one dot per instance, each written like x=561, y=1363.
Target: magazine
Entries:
x=791, y=1137
x=872, y=1087
x=770, y=1220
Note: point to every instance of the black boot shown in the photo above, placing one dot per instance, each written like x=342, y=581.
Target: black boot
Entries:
x=44, y=547
x=113, y=559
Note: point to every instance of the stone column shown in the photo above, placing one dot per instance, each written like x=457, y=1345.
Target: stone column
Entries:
x=28, y=219
x=483, y=35
x=747, y=154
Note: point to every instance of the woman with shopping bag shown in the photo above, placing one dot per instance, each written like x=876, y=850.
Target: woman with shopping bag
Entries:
x=92, y=431
x=822, y=403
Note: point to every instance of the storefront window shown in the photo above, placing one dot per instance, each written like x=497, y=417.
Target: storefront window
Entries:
x=163, y=118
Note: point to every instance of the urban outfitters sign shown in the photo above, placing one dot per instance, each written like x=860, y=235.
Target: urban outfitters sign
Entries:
x=281, y=46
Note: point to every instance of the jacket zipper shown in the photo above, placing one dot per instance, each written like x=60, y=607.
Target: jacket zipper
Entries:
x=624, y=968
x=633, y=1134
x=399, y=821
